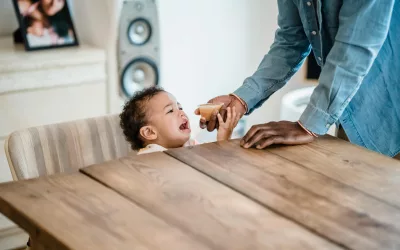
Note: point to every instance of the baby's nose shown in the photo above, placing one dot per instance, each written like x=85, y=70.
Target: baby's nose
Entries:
x=181, y=113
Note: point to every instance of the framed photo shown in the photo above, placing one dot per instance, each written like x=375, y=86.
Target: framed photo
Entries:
x=45, y=24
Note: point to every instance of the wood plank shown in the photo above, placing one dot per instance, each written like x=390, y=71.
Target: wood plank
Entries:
x=336, y=211
x=367, y=171
x=76, y=212
x=216, y=214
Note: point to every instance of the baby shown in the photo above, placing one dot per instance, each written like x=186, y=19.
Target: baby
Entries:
x=154, y=121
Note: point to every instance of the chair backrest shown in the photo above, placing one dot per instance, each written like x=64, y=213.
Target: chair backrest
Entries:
x=65, y=147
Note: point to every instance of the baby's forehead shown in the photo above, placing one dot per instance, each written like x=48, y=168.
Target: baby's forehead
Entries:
x=171, y=97
x=160, y=101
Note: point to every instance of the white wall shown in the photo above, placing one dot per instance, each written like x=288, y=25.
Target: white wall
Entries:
x=8, y=19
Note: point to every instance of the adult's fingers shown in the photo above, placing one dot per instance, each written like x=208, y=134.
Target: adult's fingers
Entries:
x=253, y=130
x=212, y=123
x=224, y=112
x=275, y=139
x=202, y=123
x=258, y=137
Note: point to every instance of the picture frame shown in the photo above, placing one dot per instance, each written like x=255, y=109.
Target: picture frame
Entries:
x=45, y=24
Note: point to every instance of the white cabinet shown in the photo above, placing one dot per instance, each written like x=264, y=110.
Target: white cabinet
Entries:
x=44, y=87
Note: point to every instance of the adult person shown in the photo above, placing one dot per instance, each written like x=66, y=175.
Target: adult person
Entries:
x=357, y=45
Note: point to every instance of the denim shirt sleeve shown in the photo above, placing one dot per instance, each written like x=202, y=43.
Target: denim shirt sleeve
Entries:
x=363, y=27
x=284, y=58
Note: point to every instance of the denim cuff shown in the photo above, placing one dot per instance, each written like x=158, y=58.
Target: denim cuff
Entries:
x=250, y=96
x=316, y=120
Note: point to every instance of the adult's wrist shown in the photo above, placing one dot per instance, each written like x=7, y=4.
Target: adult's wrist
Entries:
x=306, y=130
x=244, y=104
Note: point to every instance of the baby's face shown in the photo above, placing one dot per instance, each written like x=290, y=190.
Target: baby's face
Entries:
x=168, y=118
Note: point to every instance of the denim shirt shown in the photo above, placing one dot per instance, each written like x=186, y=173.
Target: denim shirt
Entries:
x=357, y=44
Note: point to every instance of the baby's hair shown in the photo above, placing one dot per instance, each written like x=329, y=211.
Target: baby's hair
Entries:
x=133, y=116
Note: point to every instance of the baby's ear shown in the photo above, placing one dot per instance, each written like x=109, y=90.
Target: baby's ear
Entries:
x=148, y=133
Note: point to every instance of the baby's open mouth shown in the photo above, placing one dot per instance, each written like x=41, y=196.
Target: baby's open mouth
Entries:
x=184, y=126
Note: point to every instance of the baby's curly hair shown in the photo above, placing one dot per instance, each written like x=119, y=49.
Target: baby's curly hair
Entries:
x=133, y=116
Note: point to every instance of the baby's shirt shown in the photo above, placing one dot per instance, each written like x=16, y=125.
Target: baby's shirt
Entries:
x=151, y=148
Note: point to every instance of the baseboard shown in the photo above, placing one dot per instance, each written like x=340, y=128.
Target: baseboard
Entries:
x=12, y=237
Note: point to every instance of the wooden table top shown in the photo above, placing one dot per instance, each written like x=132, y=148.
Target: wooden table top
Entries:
x=325, y=195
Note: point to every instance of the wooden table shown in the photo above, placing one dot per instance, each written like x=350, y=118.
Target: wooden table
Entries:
x=325, y=195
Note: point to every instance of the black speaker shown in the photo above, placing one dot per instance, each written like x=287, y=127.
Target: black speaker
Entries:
x=138, y=46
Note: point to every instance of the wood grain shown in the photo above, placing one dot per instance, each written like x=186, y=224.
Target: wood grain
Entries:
x=338, y=212
x=367, y=171
x=75, y=212
x=215, y=214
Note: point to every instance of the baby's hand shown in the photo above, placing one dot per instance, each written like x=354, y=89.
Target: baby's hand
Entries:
x=226, y=128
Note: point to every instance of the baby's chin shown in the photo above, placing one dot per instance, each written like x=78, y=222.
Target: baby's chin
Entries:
x=179, y=142
x=184, y=138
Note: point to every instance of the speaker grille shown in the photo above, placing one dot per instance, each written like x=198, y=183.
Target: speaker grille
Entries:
x=139, y=31
x=140, y=73
x=138, y=47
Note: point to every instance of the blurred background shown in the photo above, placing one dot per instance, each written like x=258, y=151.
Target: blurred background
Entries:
x=200, y=49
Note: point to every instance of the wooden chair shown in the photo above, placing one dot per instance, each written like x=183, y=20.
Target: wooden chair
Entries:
x=64, y=147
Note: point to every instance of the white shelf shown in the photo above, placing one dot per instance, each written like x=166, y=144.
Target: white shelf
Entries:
x=22, y=70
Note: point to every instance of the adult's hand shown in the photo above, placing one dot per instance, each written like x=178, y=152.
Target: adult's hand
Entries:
x=282, y=132
x=228, y=101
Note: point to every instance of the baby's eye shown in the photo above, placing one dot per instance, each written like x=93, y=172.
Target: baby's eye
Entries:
x=180, y=108
x=170, y=111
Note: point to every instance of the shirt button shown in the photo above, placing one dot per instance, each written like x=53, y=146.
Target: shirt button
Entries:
x=319, y=58
x=309, y=3
x=314, y=32
x=327, y=125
